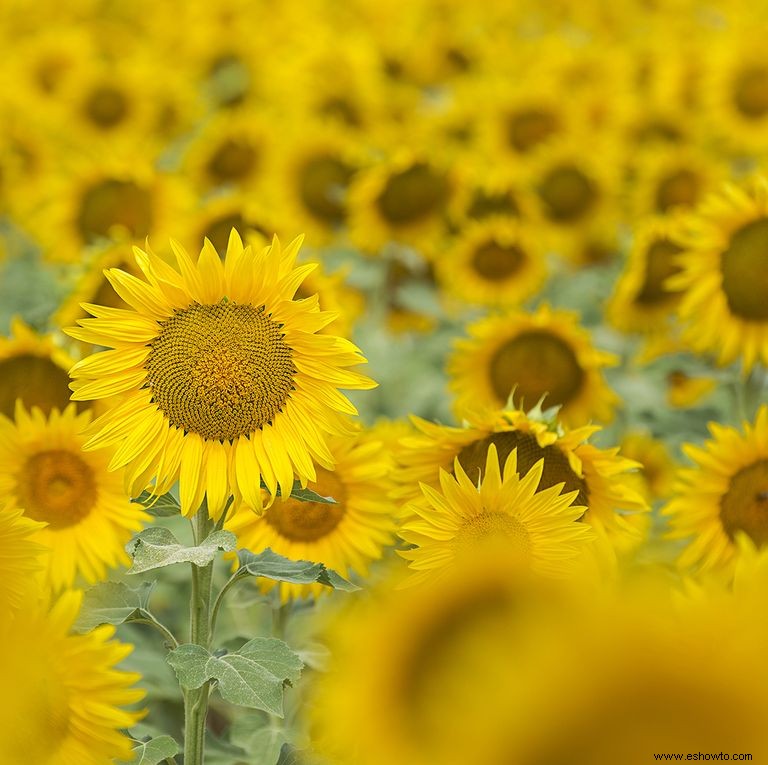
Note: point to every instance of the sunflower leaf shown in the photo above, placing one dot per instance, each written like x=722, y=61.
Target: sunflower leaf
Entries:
x=305, y=495
x=273, y=566
x=161, y=507
x=154, y=751
x=157, y=547
x=113, y=603
x=289, y=755
x=254, y=676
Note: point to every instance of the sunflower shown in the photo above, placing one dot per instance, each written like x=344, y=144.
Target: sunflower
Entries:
x=45, y=472
x=642, y=301
x=232, y=150
x=21, y=557
x=225, y=381
x=33, y=368
x=735, y=82
x=722, y=495
x=103, y=199
x=672, y=179
x=684, y=391
x=656, y=476
x=724, y=275
x=345, y=536
x=413, y=669
x=497, y=262
x=502, y=509
x=528, y=356
x=651, y=676
x=600, y=477
x=69, y=697
x=403, y=199
x=317, y=166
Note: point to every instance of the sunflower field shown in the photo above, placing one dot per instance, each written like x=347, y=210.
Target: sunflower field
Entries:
x=383, y=382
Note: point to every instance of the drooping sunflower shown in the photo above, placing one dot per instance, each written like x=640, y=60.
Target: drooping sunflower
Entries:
x=528, y=356
x=723, y=495
x=537, y=525
x=497, y=263
x=724, y=275
x=225, y=381
x=33, y=368
x=21, y=557
x=345, y=536
x=69, y=700
x=600, y=477
x=44, y=472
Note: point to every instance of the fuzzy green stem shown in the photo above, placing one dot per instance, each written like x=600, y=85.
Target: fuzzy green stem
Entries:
x=196, y=700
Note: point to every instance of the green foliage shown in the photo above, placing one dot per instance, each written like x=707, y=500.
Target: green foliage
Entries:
x=252, y=677
x=157, y=547
x=155, y=751
x=161, y=507
x=114, y=603
x=273, y=566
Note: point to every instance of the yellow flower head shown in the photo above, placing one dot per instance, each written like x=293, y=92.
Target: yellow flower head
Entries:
x=88, y=516
x=225, y=380
x=500, y=509
x=69, y=697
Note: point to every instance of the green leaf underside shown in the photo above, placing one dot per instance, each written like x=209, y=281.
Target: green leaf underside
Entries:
x=253, y=676
x=273, y=566
x=161, y=507
x=289, y=755
x=157, y=547
x=113, y=603
x=155, y=751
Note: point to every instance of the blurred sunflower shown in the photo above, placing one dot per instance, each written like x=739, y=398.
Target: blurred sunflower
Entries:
x=725, y=493
x=69, y=698
x=684, y=390
x=538, y=526
x=528, y=356
x=600, y=476
x=345, y=536
x=735, y=83
x=413, y=669
x=21, y=557
x=497, y=262
x=232, y=150
x=402, y=199
x=33, y=368
x=724, y=275
x=45, y=472
x=225, y=381
x=317, y=166
x=672, y=179
x=656, y=476
x=642, y=301
x=103, y=199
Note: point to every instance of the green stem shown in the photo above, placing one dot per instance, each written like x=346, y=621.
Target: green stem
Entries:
x=161, y=628
x=196, y=700
x=220, y=598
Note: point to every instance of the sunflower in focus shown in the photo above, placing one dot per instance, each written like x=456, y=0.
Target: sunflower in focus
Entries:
x=600, y=477
x=21, y=557
x=33, y=368
x=528, y=356
x=45, y=472
x=724, y=275
x=723, y=495
x=225, y=380
x=345, y=536
x=536, y=525
x=69, y=700
x=497, y=262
